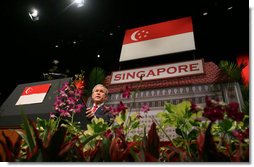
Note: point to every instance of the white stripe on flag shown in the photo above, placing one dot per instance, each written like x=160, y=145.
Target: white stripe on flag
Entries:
x=159, y=46
x=31, y=99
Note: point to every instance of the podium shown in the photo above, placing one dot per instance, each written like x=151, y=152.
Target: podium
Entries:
x=10, y=111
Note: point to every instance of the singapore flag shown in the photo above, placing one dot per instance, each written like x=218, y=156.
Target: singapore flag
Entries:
x=33, y=94
x=158, y=39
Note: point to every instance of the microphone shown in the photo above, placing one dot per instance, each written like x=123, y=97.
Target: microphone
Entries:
x=54, y=75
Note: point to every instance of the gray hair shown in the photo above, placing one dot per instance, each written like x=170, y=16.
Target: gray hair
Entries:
x=106, y=89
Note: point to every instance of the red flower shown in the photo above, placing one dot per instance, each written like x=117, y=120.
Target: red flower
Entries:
x=233, y=112
x=121, y=107
x=80, y=84
x=214, y=113
x=208, y=101
x=108, y=134
x=238, y=134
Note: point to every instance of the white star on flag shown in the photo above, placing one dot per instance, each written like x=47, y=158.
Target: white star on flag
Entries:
x=139, y=35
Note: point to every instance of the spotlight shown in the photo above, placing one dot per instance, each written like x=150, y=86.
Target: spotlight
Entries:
x=34, y=14
x=79, y=3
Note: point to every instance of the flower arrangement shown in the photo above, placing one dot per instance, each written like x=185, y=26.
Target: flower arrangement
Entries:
x=66, y=103
x=216, y=132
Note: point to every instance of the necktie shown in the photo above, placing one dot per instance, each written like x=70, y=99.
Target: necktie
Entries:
x=94, y=108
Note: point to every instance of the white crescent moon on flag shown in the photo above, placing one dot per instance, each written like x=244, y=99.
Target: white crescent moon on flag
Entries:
x=133, y=35
x=28, y=90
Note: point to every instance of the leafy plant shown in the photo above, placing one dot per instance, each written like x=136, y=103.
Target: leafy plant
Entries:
x=96, y=76
x=217, y=132
x=234, y=71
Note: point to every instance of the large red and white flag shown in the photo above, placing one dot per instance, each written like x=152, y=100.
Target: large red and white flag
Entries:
x=158, y=39
x=33, y=94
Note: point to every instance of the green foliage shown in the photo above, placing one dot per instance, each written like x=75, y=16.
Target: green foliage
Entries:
x=129, y=122
x=232, y=69
x=206, y=140
x=45, y=141
x=28, y=136
x=54, y=140
x=198, y=138
x=96, y=76
x=177, y=116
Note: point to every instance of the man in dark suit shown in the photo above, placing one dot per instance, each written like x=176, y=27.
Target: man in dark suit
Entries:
x=99, y=97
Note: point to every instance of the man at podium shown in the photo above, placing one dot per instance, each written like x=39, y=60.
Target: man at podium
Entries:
x=98, y=109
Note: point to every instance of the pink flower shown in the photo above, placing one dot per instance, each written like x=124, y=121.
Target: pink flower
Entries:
x=67, y=100
x=126, y=92
x=145, y=108
x=52, y=115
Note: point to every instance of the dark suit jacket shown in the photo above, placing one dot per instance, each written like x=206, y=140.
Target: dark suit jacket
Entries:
x=100, y=113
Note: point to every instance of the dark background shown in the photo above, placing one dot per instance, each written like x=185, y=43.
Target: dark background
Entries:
x=28, y=47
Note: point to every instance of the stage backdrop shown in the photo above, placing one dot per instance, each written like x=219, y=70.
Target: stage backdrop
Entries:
x=34, y=99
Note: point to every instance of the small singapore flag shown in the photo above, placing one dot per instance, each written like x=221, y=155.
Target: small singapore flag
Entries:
x=33, y=94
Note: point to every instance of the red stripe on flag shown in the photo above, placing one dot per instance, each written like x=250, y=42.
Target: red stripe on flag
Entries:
x=36, y=89
x=158, y=30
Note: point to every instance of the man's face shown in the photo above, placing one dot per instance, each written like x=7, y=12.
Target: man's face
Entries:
x=99, y=94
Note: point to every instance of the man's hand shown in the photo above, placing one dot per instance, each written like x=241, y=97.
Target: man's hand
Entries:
x=89, y=113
